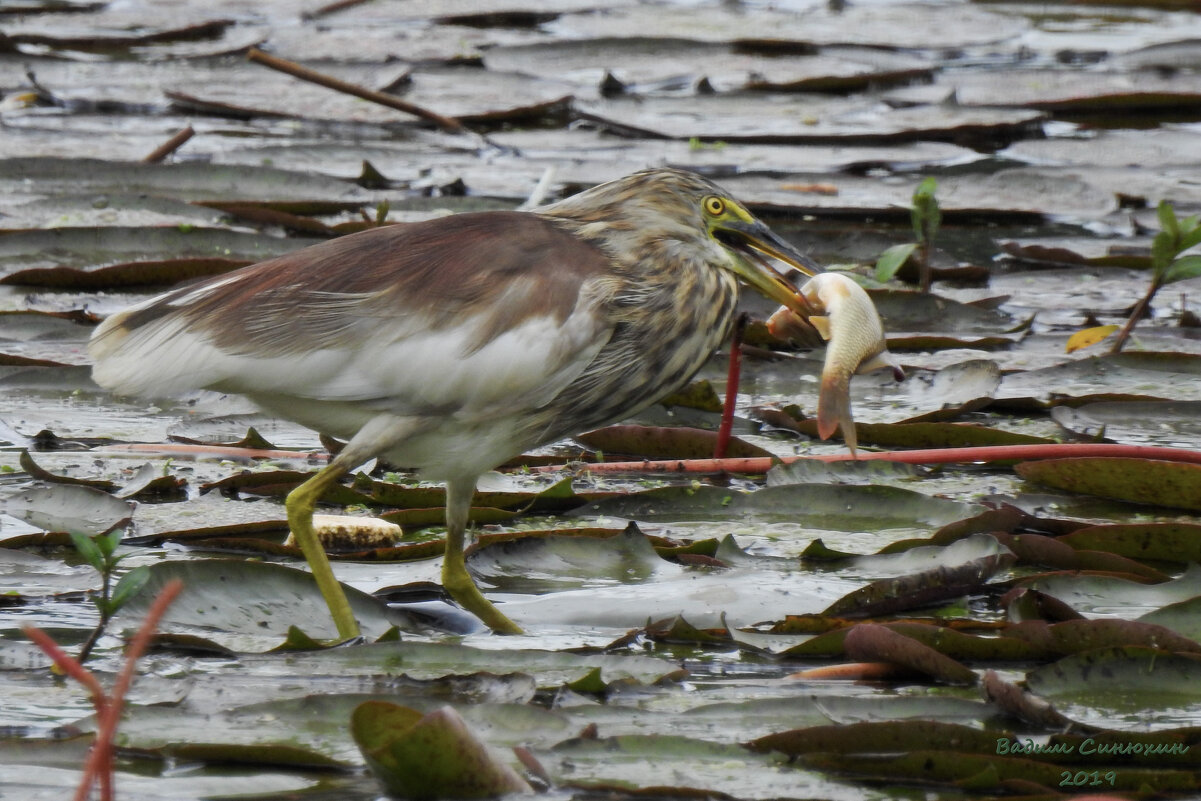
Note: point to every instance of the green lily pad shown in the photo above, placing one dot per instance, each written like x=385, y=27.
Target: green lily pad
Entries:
x=1146, y=481
x=1171, y=542
x=429, y=756
x=1117, y=677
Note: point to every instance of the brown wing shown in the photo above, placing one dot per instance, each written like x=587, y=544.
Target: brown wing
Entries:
x=425, y=312
x=503, y=267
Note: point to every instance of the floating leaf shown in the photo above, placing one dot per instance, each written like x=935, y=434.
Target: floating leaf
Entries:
x=1113, y=677
x=989, y=771
x=944, y=640
x=1110, y=595
x=655, y=442
x=64, y=507
x=1053, y=552
x=250, y=606
x=1074, y=636
x=878, y=737
x=429, y=756
x=1017, y=703
x=924, y=588
x=1182, y=617
x=525, y=564
x=872, y=642
x=41, y=474
x=1148, y=481
x=1089, y=337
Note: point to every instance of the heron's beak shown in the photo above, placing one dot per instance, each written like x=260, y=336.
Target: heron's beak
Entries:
x=753, y=240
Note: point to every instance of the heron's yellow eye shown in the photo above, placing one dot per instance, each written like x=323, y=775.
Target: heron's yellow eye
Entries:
x=715, y=205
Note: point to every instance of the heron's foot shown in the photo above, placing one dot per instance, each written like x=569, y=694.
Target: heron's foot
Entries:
x=300, y=505
x=459, y=584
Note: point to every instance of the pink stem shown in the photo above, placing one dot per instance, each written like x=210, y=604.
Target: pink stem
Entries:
x=731, y=400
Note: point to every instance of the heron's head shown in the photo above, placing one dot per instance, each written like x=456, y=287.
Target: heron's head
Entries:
x=660, y=217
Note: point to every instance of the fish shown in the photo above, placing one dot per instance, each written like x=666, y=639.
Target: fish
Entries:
x=847, y=319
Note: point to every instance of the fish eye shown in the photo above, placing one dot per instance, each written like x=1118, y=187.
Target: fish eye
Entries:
x=714, y=205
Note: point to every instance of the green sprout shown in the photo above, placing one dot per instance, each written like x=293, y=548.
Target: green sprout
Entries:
x=926, y=216
x=99, y=552
x=1167, y=265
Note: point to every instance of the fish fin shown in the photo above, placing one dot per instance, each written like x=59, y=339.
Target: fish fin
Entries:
x=834, y=409
x=822, y=324
x=880, y=361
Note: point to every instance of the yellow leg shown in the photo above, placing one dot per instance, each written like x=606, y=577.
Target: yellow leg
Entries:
x=300, y=504
x=455, y=577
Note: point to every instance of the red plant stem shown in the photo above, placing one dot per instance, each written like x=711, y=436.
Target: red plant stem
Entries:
x=69, y=665
x=99, y=764
x=731, y=399
x=100, y=759
x=987, y=453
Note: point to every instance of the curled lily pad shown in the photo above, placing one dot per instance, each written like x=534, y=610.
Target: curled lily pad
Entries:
x=1017, y=703
x=429, y=756
x=871, y=642
x=939, y=583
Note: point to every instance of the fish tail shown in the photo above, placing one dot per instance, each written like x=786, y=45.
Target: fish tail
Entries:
x=834, y=408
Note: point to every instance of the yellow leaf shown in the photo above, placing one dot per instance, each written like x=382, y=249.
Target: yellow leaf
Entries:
x=1089, y=336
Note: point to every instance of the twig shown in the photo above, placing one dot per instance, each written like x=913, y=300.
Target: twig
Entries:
x=1136, y=314
x=987, y=453
x=170, y=146
x=448, y=124
x=332, y=8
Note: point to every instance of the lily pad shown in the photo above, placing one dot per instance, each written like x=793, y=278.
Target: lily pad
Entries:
x=1105, y=596
x=1096, y=92
x=871, y=642
x=69, y=257
x=1134, y=422
x=1142, y=375
x=429, y=756
x=833, y=507
x=898, y=25
x=646, y=64
x=250, y=606
x=1173, y=542
x=1146, y=481
x=1116, y=675
x=653, y=442
x=68, y=508
x=819, y=120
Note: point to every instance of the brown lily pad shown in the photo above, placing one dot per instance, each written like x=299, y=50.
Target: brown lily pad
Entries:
x=654, y=442
x=873, y=642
